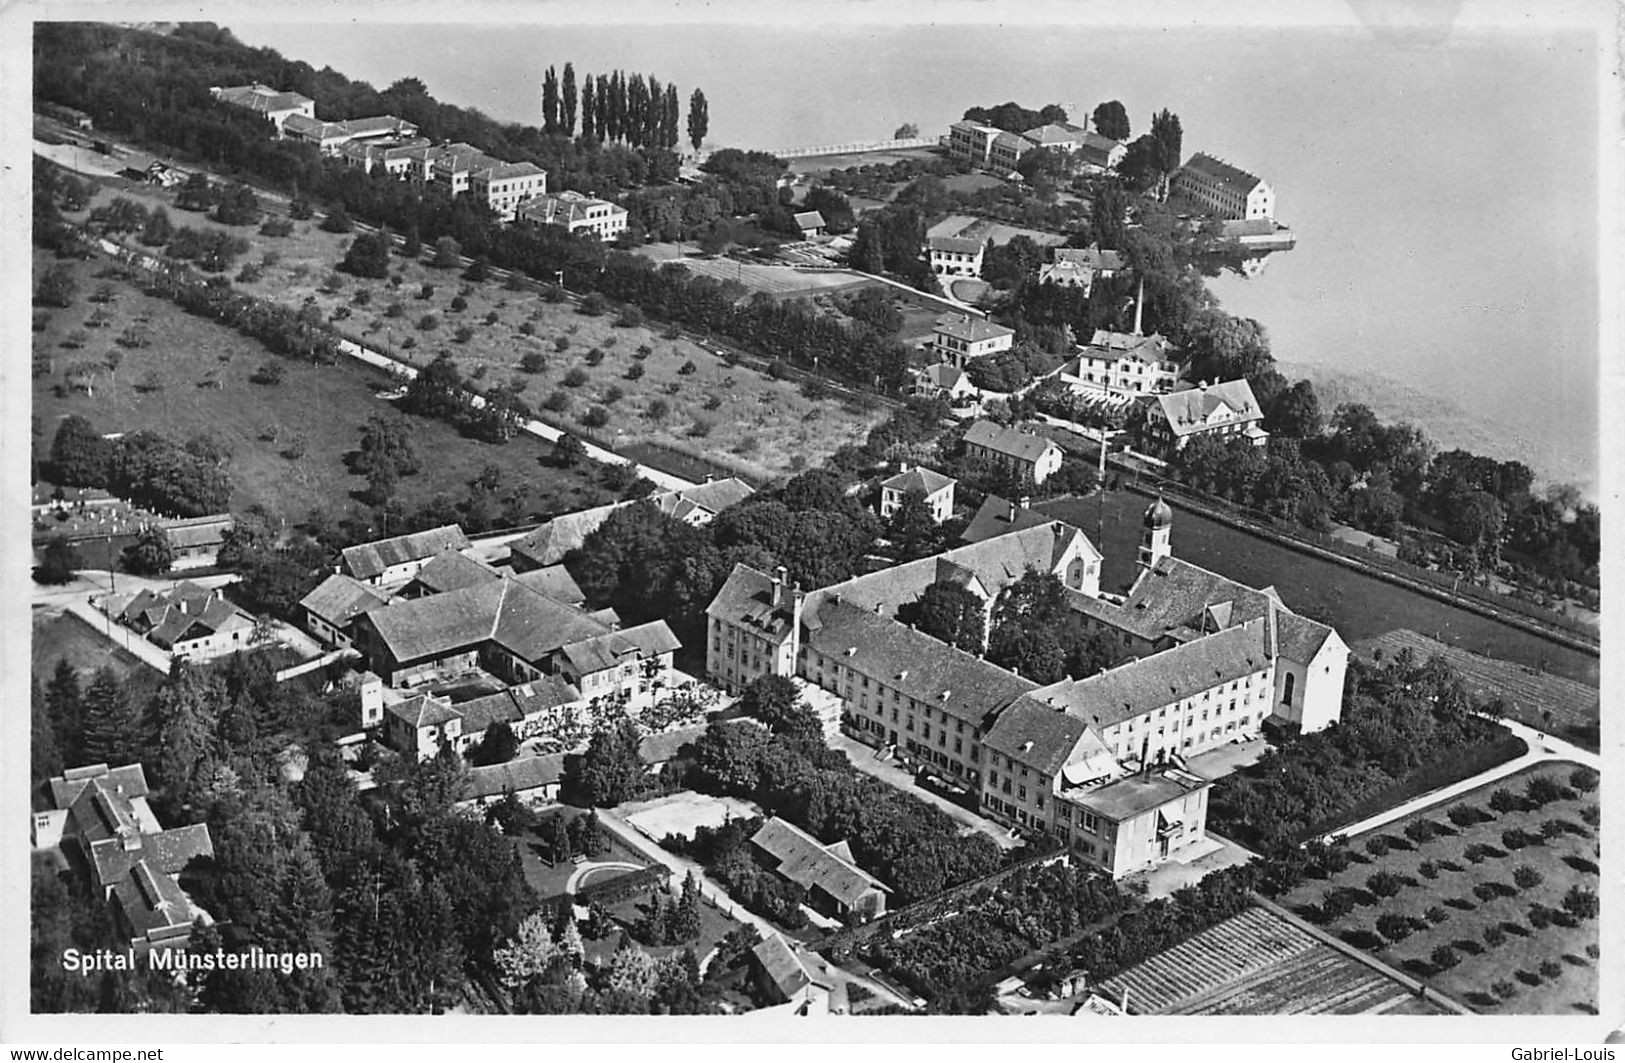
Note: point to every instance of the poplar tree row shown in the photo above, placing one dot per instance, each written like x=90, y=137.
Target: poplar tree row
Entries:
x=630, y=109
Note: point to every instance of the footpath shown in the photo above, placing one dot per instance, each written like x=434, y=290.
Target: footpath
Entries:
x=1542, y=748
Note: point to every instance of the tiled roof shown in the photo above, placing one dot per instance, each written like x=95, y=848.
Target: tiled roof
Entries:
x=1222, y=173
x=1012, y=142
x=452, y=571
x=926, y=481
x=782, y=966
x=658, y=748
x=198, y=531
x=1118, y=345
x=369, y=560
x=955, y=244
x=167, y=851
x=802, y=859
x=562, y=208
x=525, y=773
x=549, y=543
x=1174, y=594
x=1187, y=411
x=509, y=170
x=307, y=126
x=810, y=219
x=1091, y=256
x=516, y=703
x=995, y=563
x=1035, y=734
x=338, y=599
x=129, y=780
x=383, y=123
x=713, y=497
x=1131, y=689
x=746, y=598
x=970, y=329
x=1016, y=444
x=1045, y=135
x=921, y=667
x=261, y=98
x=479, y=713
x=993, y=519
x=522, y=621
x=153, y=903
x=554, y=581
x=423, y=710
x=609, y=650
x=170, y=616
x=943, y=375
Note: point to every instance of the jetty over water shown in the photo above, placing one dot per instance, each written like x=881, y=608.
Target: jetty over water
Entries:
x=856, y=147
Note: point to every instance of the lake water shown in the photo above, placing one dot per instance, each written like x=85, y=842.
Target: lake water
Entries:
x=1444, y=193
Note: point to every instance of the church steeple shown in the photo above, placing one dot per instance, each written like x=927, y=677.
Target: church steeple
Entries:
x=1159, y=523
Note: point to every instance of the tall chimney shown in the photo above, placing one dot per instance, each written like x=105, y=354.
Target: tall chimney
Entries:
x=780, y=574
x=1139, y=306
x=1012, y=516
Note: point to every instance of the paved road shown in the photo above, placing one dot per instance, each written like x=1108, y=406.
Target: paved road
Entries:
x=863, y=758
x=1542, y=748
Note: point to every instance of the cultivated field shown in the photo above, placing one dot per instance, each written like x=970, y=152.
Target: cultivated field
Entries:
x=1258, y=963
x=742, y=420
x=1512, y=949
x=774, y=280
x=286, y=442
x=64, y=636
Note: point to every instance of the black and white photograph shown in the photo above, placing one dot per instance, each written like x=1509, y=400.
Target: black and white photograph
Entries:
x=813, y=521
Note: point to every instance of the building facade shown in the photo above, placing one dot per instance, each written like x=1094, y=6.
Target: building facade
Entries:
x=503, y=188
x=1223, y=189
x=577, y=213
x=1225, y=411
x=1122, y=363
x=958, y=338
x=936, y=489
x=951, y=256
x=1031, y=457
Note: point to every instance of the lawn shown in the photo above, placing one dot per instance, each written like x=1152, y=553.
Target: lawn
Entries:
x=1458, y=890
x=65, y=636
x=715, y=924
x=741, y=419
x=286, y=442
x=548, y=879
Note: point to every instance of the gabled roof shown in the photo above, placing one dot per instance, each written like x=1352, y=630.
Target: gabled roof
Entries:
x=1188, y=411
x=153, y=903
x=506, y=171
x=516, y=703
x=527, y=624
x=314, y=127
x=955, y=244
x=554, y=581
x=377, y=124
x=338, y=599
x=746, y=598
x=128, y=780
x=452, y=571
x=167, y=851
x=525, y=773
x=944, y=375
x=549, y=543
x=921, y=667
x=609, y=650
x=1174, y=594
x=713, y=497
x=802, y=859
x=198, y=531
x=369, y=560
x=563, y=208
x=1091, y=256
x=970, y=329
x=1035, y=734
x=1120, y=345
x=926, y=481
x=1012, y=142
x=423, y=710
x=1009, y=441
x=658, y=748
x=993, y=519
x=1051, y=133
x=261, y=98
x=1220, y=172
x=783, y=966
x=1120, y=693
x=810, y=219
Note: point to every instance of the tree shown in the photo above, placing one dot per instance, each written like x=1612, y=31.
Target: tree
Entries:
x=79, y=455
x=561, y=849
x=182, y=722
x=913, y=529
x=528, y=954
x=1108, y=216
x=1111, y=120
x=589, y=111
x=65, y=701
x=437, y=390
x=447, y=253
x=948, y=611
x=699, y=119
x=550, y=101
x=1295, y=412
x=634, y=973
x=150, y=554
x=112, y=723
x=45, y=757
x=685, y=920
x=368, y=255
x=567, y=112
x=237, y=205
x=610, y=772
x=497, y=746
x=158, y=229
x=338, y=220
x=569, y=451
x=1168, y=138
x=1581, y=903
x=58, y=561
x=774, y=700
x=57, y=287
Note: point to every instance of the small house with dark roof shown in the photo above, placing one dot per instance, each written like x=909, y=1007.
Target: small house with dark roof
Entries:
x=1100, y=154
x=786, y=975
x=194, y=542
x=277, y=107
x=554, y=581
x=1224, y=189
x=948, y=381
x=388, y=561
x=330, y=609
x=811, y=223
x=102, y=822
x=532, y=779
x=421, y=724
x=448, y=571
x=1031, y=457
x=619, y=663
x=1225, y=411
x=835, y=885
x=936, y=489
x=191, y=622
